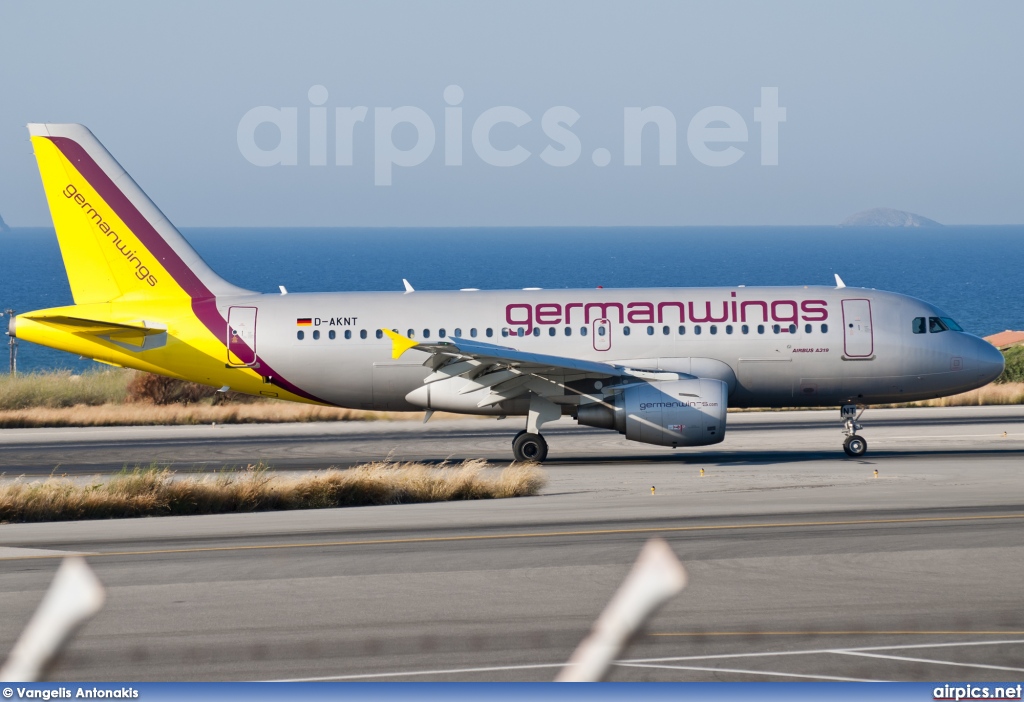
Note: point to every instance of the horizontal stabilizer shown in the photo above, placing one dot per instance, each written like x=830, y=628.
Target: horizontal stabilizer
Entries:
x=98, y=327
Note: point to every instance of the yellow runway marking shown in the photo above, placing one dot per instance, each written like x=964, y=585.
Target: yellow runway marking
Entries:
x=534, y=535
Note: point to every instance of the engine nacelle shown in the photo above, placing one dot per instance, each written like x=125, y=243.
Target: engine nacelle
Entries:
x=685, y=412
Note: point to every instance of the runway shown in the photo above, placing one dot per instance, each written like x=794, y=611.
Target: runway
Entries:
x=802, y=563
x=751, y=437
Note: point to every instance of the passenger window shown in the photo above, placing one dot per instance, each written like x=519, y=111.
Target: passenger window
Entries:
x=625, y=331
x=536, y=331
x=696, y=329
x=682, y=329
x=300, y=335
x=331, y=334
x=410, y=334
x=760, y=329
x=504, y=331
x=426, y=333
x=808, y=328
x=519, y=331
x=918, y=325
x=568, y=331
x=489, y=333
x=745, y=329
x=665, y=330
x=936, y=325
x=348, y=333
x=362, y=333
x=472, y=332
x=728, y=329
x=792, y=329
x=776, y=328
x=824, y=329
x=458, y=333
x=601, y=330
x=380, y=335
x=583, y=331
x=650, y=331
x=551, y=331
x=440, y=333
x=714, y=328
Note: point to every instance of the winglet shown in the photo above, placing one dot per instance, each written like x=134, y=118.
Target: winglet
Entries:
x=408, y=286
x=839, y=282
x=399, y=344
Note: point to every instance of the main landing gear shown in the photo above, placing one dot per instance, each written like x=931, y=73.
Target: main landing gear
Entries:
x=855, y=446
x=529, y=446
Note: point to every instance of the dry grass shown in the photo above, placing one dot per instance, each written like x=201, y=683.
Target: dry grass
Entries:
x=155, y=492
x=993, y=394
x=141, y=414
x=63, y=389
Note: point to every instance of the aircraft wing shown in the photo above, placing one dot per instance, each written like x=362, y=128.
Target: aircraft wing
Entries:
x=509, y=372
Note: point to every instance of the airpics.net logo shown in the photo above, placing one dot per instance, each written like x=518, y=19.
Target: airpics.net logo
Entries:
x=715, y=136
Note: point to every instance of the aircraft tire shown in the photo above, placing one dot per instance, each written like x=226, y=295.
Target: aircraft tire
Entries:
x=855, y=446
x=530, y=448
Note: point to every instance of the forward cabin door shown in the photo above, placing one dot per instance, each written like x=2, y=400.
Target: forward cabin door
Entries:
x=858, y=339
x=241, y=341
x=602, y=334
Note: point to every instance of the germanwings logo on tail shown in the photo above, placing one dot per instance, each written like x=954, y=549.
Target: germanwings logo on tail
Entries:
x=141, y=270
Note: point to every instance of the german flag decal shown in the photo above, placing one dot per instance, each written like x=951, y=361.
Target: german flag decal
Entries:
x=304, y=321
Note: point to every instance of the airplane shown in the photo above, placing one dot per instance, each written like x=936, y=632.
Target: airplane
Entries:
x=659, y=365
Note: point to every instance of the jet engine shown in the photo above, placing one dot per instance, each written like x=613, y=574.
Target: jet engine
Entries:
x=684, y=412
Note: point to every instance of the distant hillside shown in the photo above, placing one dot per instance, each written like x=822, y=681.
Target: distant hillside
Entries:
x=887, y=217
x=3, y=226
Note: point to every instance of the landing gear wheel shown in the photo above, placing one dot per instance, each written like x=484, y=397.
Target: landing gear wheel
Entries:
x=855, y=446
x=530, y=448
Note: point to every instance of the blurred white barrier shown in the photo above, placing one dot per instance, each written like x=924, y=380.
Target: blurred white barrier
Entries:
x=655, y=578
x=75, y=595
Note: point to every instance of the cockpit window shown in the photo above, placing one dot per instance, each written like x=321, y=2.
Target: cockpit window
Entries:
x=918, y=325
x=936, y=325
x=951, y=324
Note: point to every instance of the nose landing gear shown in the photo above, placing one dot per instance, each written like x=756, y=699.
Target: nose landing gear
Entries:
x=855, y=446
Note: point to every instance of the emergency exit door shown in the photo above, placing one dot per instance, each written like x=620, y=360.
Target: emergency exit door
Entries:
x=602, y=335
x=858, y=339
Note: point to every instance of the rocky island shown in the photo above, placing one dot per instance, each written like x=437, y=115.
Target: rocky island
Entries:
x=888, y=217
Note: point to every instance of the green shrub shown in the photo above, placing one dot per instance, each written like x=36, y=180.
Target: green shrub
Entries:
x=1014, y=371
x=161, y=390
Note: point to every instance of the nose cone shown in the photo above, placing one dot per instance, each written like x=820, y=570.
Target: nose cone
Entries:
x=988, y=360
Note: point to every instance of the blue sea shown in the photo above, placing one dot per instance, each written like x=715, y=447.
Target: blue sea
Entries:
x=976, y=274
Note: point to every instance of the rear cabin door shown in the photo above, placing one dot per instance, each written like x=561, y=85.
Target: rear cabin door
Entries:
x=241, y=341
x=858, y=339
x=602, y=335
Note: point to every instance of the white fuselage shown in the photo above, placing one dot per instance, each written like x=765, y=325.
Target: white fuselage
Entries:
x=773, y=346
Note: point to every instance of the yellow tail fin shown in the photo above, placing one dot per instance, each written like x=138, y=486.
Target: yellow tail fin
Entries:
x=115, y=242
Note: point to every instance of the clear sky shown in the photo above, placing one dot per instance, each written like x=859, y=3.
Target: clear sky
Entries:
x=912, y=105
